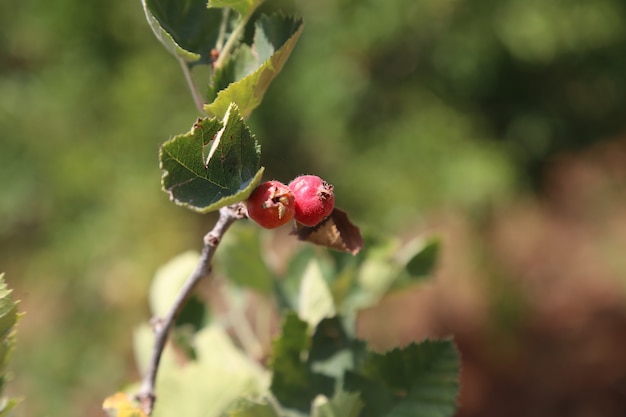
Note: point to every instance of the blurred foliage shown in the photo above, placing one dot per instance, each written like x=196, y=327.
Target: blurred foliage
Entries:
x=406, y=107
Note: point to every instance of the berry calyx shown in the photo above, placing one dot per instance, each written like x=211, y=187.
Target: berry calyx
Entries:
x=271, y=204
x=314, y=199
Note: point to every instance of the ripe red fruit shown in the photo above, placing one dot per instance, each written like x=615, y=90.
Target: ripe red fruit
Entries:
x=314, y=199
x=271, y=204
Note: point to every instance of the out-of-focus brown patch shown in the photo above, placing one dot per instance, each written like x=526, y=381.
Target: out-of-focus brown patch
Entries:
x=535, y=295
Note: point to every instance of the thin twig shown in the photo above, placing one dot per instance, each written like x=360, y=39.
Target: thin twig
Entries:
x=232, y=40
x=197, y=98
x=227, y=216
x=219, y=44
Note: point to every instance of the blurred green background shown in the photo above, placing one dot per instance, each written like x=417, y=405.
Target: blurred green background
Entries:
x=500, y=125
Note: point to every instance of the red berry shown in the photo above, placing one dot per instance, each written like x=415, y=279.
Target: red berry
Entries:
x=271, y=204
x=314, y=199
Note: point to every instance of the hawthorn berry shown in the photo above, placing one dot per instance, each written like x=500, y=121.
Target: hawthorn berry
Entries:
x=271, y=204
x=314, y=199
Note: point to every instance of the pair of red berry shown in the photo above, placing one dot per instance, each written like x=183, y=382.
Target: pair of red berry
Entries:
x=307, y=198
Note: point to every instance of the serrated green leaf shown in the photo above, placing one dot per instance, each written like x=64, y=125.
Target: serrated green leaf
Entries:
x=187, y=28
x=8, y=319
x=315, y=302
x=212, y=166
x=419, y=380
x=243, y=7
x=343, y=404
x=8, y=309
x=240, y=259
x=272, y=51
x=294, y=384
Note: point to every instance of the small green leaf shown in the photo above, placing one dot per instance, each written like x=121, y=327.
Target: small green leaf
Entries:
x=240, y=259
x=233, y=85
x=420, y=256
x=294, y=384
x=168, y=281
x=7, y=405
x=419, y=380
x=243, y=7
x=214, y=165
x=187, y=29
x=315, y=302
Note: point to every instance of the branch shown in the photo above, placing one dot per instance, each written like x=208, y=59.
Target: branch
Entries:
x=228, y=215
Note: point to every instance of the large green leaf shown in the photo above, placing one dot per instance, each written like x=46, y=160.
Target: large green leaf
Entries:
x=216, y=164
x=294, y=383
x=187, y=28
x=333, y=350
x=250, y=71
x=419, y=380
x=205, y=387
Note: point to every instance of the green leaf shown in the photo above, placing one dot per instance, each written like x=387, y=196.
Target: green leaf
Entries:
x=187, y=28
x=333, y=351
x=343, y=404
x=214, y=165
x=8, y=404
x=294, y=384
x=8, y=319
x=240, y=259
x=275, y=38
x=377, y=397
x=249, y=408
x=8, y=309
x=168, y=281
x=315, y=302
x=243, y=7
x=420, y=256
x=206, y=387
x=419, y=380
